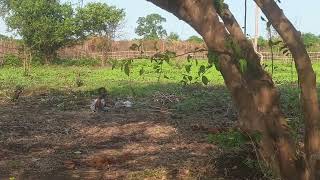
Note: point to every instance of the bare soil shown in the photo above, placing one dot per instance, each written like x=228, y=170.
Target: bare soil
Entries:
x=42, y=138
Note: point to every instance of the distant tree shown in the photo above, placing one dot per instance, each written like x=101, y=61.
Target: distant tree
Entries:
x=173, y=37
x=3, y=37
x=100, y=19
x=310, y=40
x=262, y=43
x=4, y=7
x=150, y=27
x=45, y=26
x=195, y=39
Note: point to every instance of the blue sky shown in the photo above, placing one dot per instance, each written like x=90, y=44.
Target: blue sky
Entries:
x=302, y=14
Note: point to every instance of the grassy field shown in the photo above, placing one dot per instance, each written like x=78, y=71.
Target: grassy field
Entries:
x=52, y=92
x=64, y=77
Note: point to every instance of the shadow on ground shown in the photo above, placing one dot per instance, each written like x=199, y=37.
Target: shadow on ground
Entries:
x=53, y=135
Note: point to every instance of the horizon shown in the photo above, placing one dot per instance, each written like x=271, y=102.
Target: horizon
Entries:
x=133, y=11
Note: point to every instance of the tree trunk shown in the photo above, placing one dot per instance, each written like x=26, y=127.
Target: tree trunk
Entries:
x=307, y=82
x=253, y=91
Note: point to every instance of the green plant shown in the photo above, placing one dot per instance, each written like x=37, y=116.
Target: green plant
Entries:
x=150, y=27
x=46, y=26
x=85, y=62
x=228, y=140
x=12, y=60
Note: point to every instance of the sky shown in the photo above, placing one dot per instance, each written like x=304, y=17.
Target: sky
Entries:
x=302, y=14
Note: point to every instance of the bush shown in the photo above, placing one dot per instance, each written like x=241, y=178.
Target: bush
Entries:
x=37, y=61
x=12, y=60
x=77, y=62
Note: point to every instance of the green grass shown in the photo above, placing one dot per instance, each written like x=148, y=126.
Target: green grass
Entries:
x=63, y=78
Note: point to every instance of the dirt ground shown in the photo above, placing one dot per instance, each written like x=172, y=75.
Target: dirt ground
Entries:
x=42, y=138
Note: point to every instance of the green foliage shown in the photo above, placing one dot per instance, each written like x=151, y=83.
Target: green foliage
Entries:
x=262, y=43
x=228, y=140
x=45, y=26
x=4, y=7
x=100, y=19
x=195, y=39
x=234, y=46
x=150, y=27
x=188, y=78
x=219, y=5
x=4, y=37
x=310, y=40
x=126, y=67
x=159, y=59
x=12, y=60
x=213, y=59
x=173, y=37
x=87, y=62
x=243, y=65
x=205, y=80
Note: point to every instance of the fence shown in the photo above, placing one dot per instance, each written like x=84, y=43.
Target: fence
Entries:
x=10, y=47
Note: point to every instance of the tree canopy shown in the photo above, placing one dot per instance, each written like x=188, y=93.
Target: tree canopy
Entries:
x=310, y=40
x=46, y=26
x=100, y=19
x=150, y=27
x=173, y=37
x=195, y=39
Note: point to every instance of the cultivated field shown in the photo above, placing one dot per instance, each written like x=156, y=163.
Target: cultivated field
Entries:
x=173, y=131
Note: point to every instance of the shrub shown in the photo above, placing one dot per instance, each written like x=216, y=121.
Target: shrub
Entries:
x=77, y=62
x=12, y=60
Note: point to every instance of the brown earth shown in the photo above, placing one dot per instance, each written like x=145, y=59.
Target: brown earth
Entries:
x=41, y=140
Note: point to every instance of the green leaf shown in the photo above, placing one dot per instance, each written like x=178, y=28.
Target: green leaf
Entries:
x=188, y=68
x=184, y=82
x=205, y=80
x=277, y=42
x=243, y=65
x=190, y=78
x=127, y=69
x=166, y=77
x=141, y=72
x=113, y=66
x=213, y=59
x=189, y=57
x=202, y=70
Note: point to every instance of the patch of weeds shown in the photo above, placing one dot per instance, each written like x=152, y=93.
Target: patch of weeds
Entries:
x=296, y=124
x=12, y=60
x=202, y=99
x=77, y=62
x=239, y=157
x=229, y=140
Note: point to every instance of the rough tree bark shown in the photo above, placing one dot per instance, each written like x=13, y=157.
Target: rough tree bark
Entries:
x=307, y=81
x=277, y=138
x=253, y=91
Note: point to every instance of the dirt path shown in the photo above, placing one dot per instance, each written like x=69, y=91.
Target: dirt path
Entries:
x=39, y=141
